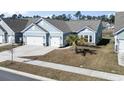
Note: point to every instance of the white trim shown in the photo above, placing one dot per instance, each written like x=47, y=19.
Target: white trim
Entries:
x=32, y=24
x=84, y=28
x=118, y=31
x=53, y=26
x=7, y=26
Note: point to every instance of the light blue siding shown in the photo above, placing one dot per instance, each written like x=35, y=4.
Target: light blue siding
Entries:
x=53, y=31
x=89, y=33
x=34, y=31
x=49, y=27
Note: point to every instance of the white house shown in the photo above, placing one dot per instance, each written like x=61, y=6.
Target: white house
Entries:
x=119, y=32
x=48, y=32
x=90, y=29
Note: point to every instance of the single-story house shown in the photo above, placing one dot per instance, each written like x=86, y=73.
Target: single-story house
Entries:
x=10, y=29
x=119, y=32
x=89, y=29
x=48, y=32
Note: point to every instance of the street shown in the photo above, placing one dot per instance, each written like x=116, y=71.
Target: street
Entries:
x=7, y=76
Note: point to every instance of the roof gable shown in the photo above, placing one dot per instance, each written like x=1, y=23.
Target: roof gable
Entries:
x=18, y=25
x=86, y=27
x=37, y=26
x=59, y=24
x=119, y=21
x=78, y=25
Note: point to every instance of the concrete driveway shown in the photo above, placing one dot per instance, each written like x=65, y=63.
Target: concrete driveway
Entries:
x=26, y=50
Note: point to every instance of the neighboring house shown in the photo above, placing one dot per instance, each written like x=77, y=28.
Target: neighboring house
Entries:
x=119, y=32
x=10, y=29
x=89, y=29
x=48, y=32
x=6, y=33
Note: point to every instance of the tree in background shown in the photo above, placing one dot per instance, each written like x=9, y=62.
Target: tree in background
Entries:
x=14, y=16
x=36, y=16
x=78, y=15
x=20, y=16
x=69, y=17
x=89, y=17
x=111, y=19
x=53, y=16
x=2, y=16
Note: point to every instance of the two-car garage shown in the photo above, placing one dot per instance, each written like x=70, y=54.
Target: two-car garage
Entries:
x=53, y=41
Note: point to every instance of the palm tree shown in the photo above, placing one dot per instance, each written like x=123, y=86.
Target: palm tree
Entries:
x=82, y=41
x=72, y=40
x=78, y=15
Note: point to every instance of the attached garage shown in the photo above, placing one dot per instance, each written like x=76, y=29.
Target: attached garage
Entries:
x=121, y=45
x=35, y=35
x=35, y=40
x=55, y=41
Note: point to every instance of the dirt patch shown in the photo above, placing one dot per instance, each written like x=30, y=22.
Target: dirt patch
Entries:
x=104, y=59
x=7, y=47
x=48, y=72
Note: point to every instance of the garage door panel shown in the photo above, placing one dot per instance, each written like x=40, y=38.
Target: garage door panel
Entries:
x=35, y=41
x=55, y=41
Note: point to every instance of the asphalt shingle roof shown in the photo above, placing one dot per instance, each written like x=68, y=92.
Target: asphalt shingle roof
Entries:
x=79, y=24
x=119, y=21
x=61, y=25
x=18, y=25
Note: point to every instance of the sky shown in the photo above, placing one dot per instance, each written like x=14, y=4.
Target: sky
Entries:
x=50, y=13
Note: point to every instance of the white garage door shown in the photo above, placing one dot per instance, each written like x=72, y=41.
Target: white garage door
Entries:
x=55, y=41
x=121, y=45
x=35, y=41
x=1, y=39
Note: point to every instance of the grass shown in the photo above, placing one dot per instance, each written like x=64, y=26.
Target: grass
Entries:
x=7, y=47
x=48, y=72
x=104, y=59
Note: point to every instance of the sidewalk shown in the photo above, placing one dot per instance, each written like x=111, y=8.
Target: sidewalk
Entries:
x=77, y=70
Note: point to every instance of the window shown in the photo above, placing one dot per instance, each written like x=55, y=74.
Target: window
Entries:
x=86, y=37
x=90, y=39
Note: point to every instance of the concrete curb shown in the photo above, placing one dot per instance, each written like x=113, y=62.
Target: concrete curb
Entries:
x=27, y=74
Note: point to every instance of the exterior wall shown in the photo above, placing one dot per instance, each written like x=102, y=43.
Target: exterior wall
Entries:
x=119, y=36
x=1, y=32
x=35, y=32
x=116, y=43
x=53, y=31
x=89, y=33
